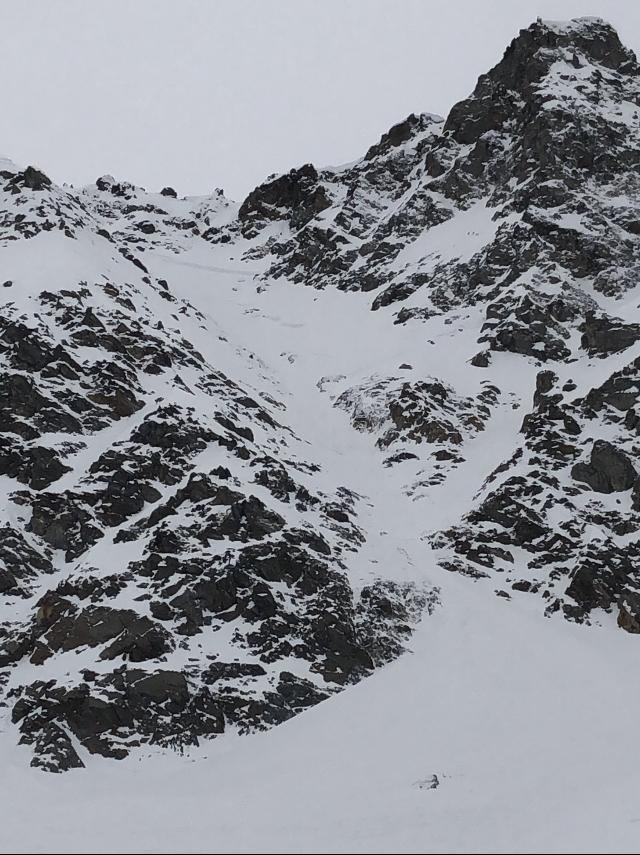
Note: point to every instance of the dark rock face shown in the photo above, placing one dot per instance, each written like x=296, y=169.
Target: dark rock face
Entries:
x=128, y=704
x=54, y=751
x=602, y=336
x=406, y=414
x=629, y=614
x=63, y=523
x=20, y=563
x=397, y=135
x=32, y=179
x=531, y=507
x=482, y=359
x=601, y=581
x=524, y=65
x=527, y=327
x=132, y=636
x=608, y=470
x=298, y=192
x=37, y=467
x=341, y=239
x=617, y=395
x=385, y=614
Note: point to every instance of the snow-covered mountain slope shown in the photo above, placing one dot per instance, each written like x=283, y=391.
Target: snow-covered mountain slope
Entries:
x=251, y=454
x=164, y=512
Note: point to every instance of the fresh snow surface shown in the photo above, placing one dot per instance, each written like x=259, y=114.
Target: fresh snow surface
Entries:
x=516, y=716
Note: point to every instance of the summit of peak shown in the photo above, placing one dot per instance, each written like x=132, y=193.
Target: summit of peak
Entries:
x=587, y=23
x=542, y=49
x=594, y=38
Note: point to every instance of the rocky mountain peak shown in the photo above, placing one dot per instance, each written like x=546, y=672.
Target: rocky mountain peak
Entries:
x=583, y=39
x=413, y=126
x=578, y=70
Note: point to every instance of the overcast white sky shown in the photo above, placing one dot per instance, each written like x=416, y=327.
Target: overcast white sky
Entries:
x=220, y=93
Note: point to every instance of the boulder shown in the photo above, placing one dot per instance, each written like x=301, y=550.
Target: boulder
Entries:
x=133, y=636
x=54, y=752
x=61, y=521
x=602, y=335
x=609, y=470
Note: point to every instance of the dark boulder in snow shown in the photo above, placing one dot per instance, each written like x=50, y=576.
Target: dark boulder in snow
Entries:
x=603, y=335
x=54, y=751
x=31, y=179
x=609, y=470
x=62, y=521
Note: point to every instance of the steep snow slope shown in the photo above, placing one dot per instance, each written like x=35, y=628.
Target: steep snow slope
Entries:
x=232, y=490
